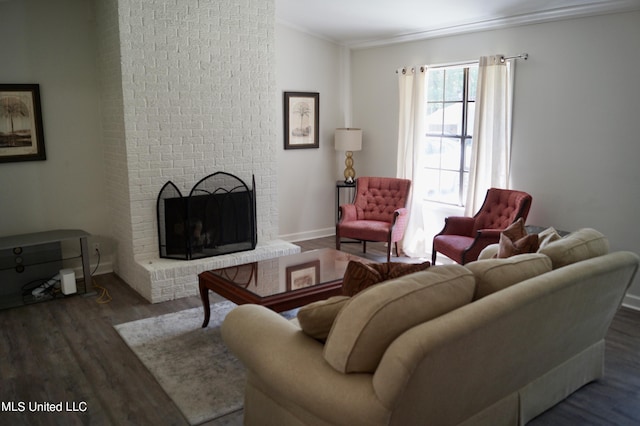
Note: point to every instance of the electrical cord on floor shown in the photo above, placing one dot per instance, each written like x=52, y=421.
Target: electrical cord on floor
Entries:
x=27, y=289
x=104, y=297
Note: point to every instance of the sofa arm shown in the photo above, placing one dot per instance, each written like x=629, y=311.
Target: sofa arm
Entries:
x=488, y=252
x=291, y=366
x=247, y=328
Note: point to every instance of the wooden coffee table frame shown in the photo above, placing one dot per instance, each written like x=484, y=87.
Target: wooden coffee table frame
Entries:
x=278, y=302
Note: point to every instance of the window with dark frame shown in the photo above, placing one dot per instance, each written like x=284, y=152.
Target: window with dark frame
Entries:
x=445, y=160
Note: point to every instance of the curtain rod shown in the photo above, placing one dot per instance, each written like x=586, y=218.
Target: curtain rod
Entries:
x=503, y=59
x=405, y=70
x=524, y=56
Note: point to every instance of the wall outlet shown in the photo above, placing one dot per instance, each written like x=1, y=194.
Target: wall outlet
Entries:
x=96, y=247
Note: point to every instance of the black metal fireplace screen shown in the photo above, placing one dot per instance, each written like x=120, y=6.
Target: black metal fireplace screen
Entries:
x=218, y=217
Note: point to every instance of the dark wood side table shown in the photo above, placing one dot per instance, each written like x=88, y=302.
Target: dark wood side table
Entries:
x=536, y=229
x=341, y=184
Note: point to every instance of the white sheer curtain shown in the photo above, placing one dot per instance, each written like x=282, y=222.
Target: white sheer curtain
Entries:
x=491, y=152
x=411, y=132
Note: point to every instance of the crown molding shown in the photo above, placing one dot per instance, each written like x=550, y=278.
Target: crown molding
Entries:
x=304, y=30
x=592, y=9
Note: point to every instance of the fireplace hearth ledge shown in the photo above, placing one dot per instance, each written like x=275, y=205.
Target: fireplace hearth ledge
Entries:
x=167, y=279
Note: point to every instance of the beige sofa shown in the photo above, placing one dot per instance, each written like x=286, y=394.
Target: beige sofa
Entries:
x=475, y=345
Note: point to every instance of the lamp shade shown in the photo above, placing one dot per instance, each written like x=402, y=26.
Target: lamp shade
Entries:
x=348, y=139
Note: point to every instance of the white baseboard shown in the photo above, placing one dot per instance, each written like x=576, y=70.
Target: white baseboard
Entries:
x=309, y=235
x=631, y=302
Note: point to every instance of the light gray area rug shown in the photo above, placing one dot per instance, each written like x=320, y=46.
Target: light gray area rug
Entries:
x=191, y=363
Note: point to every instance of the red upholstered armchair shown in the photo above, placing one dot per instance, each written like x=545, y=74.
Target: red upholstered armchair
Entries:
x=463, y=238
x=378, y=212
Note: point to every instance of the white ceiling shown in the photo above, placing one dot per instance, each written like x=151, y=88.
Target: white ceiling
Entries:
x=364, y=23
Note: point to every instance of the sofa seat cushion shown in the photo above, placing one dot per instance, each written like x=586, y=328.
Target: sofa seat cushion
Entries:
x=580, y=245
x=375, y=317
x=496, y=274
x=316, y=319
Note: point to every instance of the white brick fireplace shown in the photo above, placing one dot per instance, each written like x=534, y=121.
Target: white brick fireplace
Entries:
x=188, y=89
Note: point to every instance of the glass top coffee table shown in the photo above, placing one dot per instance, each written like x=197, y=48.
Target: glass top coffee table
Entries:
x=281, y=283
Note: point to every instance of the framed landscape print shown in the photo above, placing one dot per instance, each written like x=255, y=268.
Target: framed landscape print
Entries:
x=21, y=134
x=303, y=275
x=301, y=119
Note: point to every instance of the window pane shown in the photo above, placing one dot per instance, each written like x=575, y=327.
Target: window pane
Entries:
x=467, y=154
x=473, y=83
x=450, y=157
x=445, y=156
x=449, y=187
x=431, y=184
x=432, y=153
x=452, y=121
x=465, y=186
x=454, y=84
x=471, y=115
x=433, y=107
x=435, y=118
x=435, y=82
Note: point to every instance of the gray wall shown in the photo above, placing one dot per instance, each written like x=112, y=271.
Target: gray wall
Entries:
x=53, y=44
x=575, y=141
x=306, y=177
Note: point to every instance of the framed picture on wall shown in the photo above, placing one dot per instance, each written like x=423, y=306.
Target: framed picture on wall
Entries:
x=21, y=134
x=301, y=120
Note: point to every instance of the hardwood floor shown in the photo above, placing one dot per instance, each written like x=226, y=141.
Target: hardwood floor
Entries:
x=67, y=351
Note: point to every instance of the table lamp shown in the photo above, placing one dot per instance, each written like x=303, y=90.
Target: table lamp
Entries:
x=349, y=140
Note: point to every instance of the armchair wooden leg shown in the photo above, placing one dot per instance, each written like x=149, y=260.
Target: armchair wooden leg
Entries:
x=433, y=256
x=364, y=246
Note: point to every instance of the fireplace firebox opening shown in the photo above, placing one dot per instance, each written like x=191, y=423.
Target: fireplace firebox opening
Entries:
x=218, y=217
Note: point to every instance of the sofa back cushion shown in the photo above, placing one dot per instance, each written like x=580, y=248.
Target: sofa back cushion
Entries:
x=375, y=317
x=496, y=274
x=580, y=245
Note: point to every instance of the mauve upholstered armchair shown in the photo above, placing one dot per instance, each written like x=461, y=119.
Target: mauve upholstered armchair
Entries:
x=378, y=212
x=463, y=238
